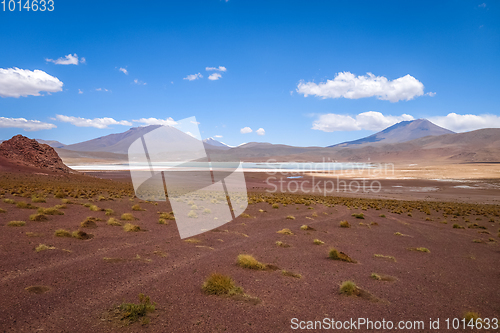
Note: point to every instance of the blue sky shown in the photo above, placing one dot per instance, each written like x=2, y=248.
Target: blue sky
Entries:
x=280, y=63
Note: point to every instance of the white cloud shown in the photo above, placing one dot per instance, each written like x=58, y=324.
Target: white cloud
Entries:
x=260, y=131
x=193, y=77
x=139, y=82
x=431, y=94
x=70, y=59
x=155, y=121
x=348, y=85
x=483, y=5
x=220, y=69
x=246, y=130
x=466, y=122
x=27, y=125
x=80, y=91
x=217, y=136
x=16, y=82
x=214, y=76
x=102, y=89
x=123, y=70
x=96, y=122
x=83, y=60
x=371, y=120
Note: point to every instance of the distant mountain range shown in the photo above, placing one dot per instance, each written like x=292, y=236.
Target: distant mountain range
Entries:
x=405, y=141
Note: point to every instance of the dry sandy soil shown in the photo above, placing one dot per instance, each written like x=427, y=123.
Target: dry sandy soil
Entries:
x=85, y=279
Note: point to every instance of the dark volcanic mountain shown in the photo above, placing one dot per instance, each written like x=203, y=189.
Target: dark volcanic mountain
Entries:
x=21, y=150
x=401, y=132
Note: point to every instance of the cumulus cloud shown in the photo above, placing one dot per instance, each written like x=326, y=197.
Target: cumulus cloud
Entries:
x=70, y=59
x=220, y=69
x=214, y=76
x=217, y=136
x=260, y=131
x=246, y=130
x=80, y=91
x=193, y=77
x=123, y=70
x=96, y=122
x=16, y=82
x=348, y=85
x=466, y=122
x=27, y=125
x=371, y=120
x=155, y=121
x=139, y=82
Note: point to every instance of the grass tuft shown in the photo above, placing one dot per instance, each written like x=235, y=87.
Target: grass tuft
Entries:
x=291, y=274
x=129, y=227
x=50, y=211
x=109, y=212
x=290, y=217
x=318, y=242
x=248, y=261
x=114, y=222
x=16, y=223
x=133, y=312
x=43, y=247
x=345, y=224
x=127, y=217
x=38, y=217
x=349, y=288
x=359, y=216
x=285, y=231
x=137, y=208
x=458, y=226
x=384, y=257
x=334, y=254
x=192, y=214
x=62, y=233
x=420, y=249
x=219, y=284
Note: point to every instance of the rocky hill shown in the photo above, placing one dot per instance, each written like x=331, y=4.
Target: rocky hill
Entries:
x=21, y=150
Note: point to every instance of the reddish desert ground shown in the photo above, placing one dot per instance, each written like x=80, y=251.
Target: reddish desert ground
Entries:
x=75, y=285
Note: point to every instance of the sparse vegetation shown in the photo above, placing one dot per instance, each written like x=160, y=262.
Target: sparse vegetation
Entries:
x=318, y=242
x=285, y=231
x=219, y=284
x=470, y=315
x=458, y=226
x=375, y=276
x=127, y=217
x=25, y=205
x=43, y=247
x=162, y=221
x=291, y=274
x=349, y=288
x=16, y=223
x=344, y=224
x=192, y=214
x=137, y=208
x=94, y=208
x=359, y=216
x=275, y=206
x=50, y=211
x=90, y=222
x=290, y=217
x=9, y=201
x=248, y=261
x=129, y=227
x=80, y=234
x=192, y=240
x=38, y=217
x=381, y=215
x=62, y=233
x=114, y=222
x=133, y=312
x=334, y=254
x=419, y=249
x=37, y=199
x=384, y=257
x=109, y=212
x=281, y=244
